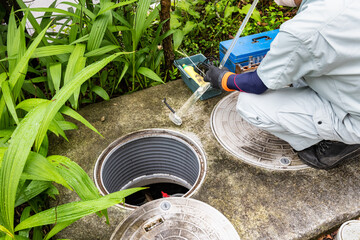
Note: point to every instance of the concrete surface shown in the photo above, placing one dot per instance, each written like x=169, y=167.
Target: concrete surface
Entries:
x=261, y=204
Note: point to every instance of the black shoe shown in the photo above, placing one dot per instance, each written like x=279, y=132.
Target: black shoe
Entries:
x=328, y=154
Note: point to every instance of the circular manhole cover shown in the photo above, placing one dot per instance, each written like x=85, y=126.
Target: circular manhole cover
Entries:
x=166, y=162
x=248, y=143
x=175, y=219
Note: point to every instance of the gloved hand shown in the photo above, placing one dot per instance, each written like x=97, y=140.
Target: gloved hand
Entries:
x=215, y=75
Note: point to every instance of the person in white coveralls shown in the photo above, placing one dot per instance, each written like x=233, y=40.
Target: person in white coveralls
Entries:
x=306, y=90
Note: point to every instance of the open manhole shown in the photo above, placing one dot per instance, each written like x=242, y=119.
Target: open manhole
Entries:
x=167, y=162
x=175, y=218
x=249, y=143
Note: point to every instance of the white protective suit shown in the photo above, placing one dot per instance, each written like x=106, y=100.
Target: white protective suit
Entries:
x=320, y=47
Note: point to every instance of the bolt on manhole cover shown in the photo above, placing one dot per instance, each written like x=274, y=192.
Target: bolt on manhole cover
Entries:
x=175, y=219
x=167, y=162
x=249, y=143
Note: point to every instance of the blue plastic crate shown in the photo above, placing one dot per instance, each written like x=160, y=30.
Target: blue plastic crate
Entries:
x=211, y=92
x=256, y=45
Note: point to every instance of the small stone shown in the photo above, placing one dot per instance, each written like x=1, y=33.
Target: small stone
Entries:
x=102, y=118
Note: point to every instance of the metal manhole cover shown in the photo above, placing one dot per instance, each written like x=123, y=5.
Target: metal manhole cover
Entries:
x=176, y=219
x=248, y=143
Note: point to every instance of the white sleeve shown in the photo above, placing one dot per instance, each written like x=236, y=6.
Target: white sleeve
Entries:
x=286, y=62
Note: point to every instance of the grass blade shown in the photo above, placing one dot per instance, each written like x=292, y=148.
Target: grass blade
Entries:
x=75, y=210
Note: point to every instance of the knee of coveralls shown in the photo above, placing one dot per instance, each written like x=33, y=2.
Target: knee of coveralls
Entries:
x=284, y=113
x=252, y=109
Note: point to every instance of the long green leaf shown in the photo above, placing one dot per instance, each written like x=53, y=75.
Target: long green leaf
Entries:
x=24, y=215
x=71, y=113
x=75, y=176
x=22, y=64
x=150, y=74
x=98, y=31
x=55, y=74
x=52, y=50
x=9, y=100
x=63, y=95
x=75, y=210
x=37, y=167
x=55, y=10
x=140, y=19
x=71, y=66
x=14, y=161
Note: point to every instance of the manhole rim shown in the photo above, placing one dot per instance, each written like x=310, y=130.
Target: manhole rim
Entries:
x=195, y=147
x=244, y=158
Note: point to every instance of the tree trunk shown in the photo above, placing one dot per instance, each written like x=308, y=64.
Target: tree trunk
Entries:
x=167, y=42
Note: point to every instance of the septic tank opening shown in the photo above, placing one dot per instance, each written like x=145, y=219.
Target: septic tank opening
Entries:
x=167, y=162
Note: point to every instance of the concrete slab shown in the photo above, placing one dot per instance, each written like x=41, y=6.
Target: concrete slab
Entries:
x=261, y=204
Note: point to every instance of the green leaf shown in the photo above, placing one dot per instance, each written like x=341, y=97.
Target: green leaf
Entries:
x=65, y=125
x=6, y=231
x=115, y=6
x=150, y=74
x=178, y=37
x=71, y=113
x=126, y=66
x=97, y=31
x=19, y=70
x=101, y=92
x=52, y=50
x=37, y=167
x=14, y=161
x=55, y=10
x=55, y=74
x=24, y=215
x=63, y=95
x=9, y=100
x=58, y=227
x=101, y=51
x=189, y=26
x=75, y=210
x=81, y=8
x=140, y=19
x=31, y=191
x=31, y=103
x=229, y=11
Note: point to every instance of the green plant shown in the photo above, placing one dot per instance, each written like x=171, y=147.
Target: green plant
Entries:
x=25, y=169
